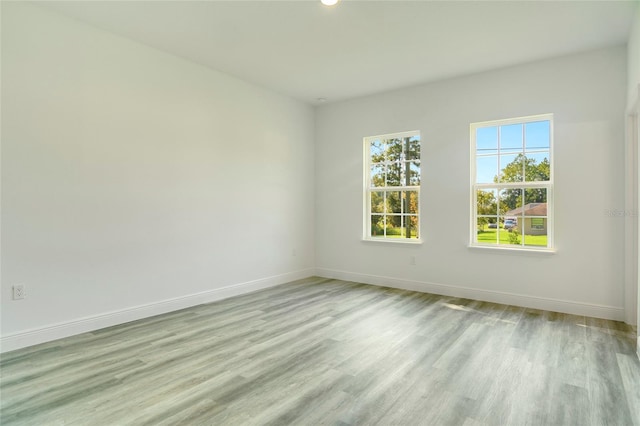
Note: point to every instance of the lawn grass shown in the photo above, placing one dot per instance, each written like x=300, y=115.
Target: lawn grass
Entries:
x=488, y=236
x=399, y=233
x=396, y=233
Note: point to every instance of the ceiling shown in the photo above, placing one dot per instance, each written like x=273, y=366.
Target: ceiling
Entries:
x=305, y=50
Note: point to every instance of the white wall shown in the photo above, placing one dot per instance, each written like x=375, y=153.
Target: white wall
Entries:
x=633, y=102
x=633, y=60
x=134, y=182
x=586, y=93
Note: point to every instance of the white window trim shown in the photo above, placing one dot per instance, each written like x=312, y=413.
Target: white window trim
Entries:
x=366, y=229
x=549, y=185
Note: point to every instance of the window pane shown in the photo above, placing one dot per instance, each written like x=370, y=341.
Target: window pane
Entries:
x=395, y=174
x=535, y=231
x=394, y=223
x=399, y=226
x=377, y=226
x=411, y=200
x=486, y=169
x=408, y=227
x=377, y=175
x=511, y=168
x=535, y=217
x=415, y=226
x=537, y=167
x=511, y=234
x=377, y=202
x=486, y=202
x=537, y=135
x=487, y=140
x=404, y=170
x=535, y=200
x=413, y=151
x=486, y=223
x=487, y=230
x=511, y=138
x=394, y=202
x=414, y=173
x=510, y=202
x=394, y=149
x=376, y=151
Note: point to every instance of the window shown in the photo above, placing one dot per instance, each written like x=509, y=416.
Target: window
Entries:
x=392, y=187
x=512, y=183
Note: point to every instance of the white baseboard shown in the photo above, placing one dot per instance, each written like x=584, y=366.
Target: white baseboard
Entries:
x=82, y=325
x=555, y=305
x=108, y=319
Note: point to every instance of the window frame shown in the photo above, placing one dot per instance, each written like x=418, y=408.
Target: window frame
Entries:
x=368, y=189
x=523, y=185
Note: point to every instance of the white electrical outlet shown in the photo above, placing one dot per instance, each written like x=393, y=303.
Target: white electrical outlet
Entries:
x=18, y=292
x=412, y=260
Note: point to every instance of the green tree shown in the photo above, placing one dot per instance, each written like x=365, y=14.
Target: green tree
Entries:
x=523, y=169
x=486, y=205
x=377, y=220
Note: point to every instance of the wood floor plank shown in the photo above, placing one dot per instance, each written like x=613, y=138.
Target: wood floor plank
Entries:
x=322, y=351
x=630, y=374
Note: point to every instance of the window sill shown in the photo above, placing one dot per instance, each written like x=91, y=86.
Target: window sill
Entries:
x=393, y=240
x=513, y=250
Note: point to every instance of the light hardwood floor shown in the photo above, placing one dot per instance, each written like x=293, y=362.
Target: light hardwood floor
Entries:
x=320, y=351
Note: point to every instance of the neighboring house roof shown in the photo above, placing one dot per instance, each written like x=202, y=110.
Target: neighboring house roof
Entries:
x=531, y=209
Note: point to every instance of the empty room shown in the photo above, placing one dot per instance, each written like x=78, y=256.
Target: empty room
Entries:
x=299, y=212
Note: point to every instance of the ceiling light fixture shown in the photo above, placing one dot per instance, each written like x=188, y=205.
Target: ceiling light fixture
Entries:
x=329, y=2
